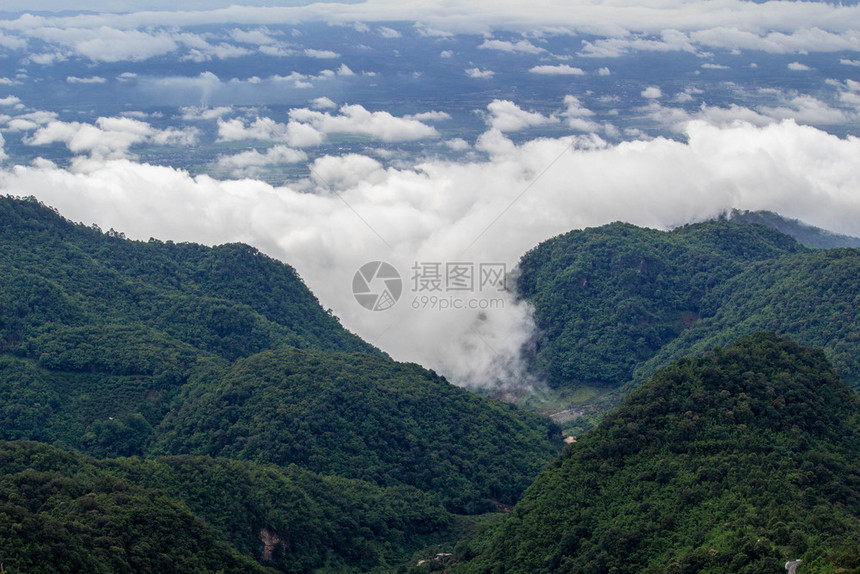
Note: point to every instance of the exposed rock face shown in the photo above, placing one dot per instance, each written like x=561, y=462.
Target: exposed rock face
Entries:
x=270, y=540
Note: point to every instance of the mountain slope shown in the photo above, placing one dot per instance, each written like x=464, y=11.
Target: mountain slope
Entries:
x=363, y=417
x=105, y=331
x=733, y=462
x=62, y=512
x=120, y=348
x=229, y=300
x=608, y=298
x=613, y=304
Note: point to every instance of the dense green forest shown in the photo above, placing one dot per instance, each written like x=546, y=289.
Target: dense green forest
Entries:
x=614, y=303
x=62, y=512
x=363, y=417
x=114, y=348
x=737, y=461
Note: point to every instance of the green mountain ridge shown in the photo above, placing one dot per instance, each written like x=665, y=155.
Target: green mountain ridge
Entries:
x=115, y=348
x=737, y=461
x=614, y=304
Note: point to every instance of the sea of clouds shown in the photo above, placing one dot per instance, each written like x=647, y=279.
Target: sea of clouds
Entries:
x=500, y=198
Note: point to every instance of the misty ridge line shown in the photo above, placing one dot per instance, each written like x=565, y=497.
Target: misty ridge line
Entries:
x=658, y=183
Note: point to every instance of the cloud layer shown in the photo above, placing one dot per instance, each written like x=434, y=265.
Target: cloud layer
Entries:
x=354, y=209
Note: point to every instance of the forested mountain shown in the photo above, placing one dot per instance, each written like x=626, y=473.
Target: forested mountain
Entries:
x=117, y=348
x=614, y=303
x=62, y=512
x=363, y=417
x=737, y=461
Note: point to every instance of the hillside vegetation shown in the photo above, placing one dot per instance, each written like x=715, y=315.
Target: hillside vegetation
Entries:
x=113, y=348
x=733, y=462
x=615, y=303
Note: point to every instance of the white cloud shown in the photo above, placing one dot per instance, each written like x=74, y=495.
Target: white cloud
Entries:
x=109, y=138
x=321, y=54
x=480, y=74
x=323, y=103
x=3, y=155
x=193, y=113
x=620, y=27
x=848, y=62
x=433, y=116
x=523, y=46
x=257, y=36
x=356, y=120
x=263, y=129
x=603, y=71
x=712, y=66
x=798, y=67
x=652, y=93
x=389, y=33
x=578, y=115
x=446, y=54
x=560, y=70
x=107, y=44
x=308, y=127
x=808, y=110
x=88, y=80
x=506, y=116
x=30, y=121
x=614, y=47
x=458, y=144
x=10, y=101
x=251, y=164
x=436, y=212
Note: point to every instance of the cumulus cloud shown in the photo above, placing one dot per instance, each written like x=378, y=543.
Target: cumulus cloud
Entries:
x=321, y=54
x=323, y=103
x=620, y=27
x=194, y=113
x=578, y=116
x=560, y=70
x=798, y=67
x=433, y=116
x=356, y=120
x=652, y=93
x=523, y=46
x=257, y=36
x=308, y=127
x=109, y=138
x=389, y=33
x=87, y=80
x=471, y=211
x=506, y=116
x=251, y=163
x=480, y=74
x=10, y=101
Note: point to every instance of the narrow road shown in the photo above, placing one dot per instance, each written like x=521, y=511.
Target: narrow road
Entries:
x=792, y=565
